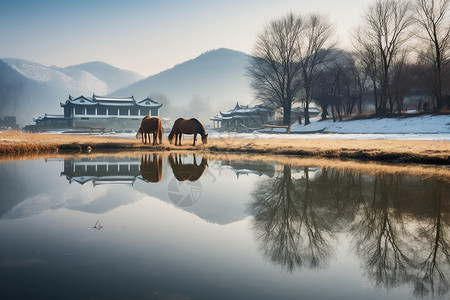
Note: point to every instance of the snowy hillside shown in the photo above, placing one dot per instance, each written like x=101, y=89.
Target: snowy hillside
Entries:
x=75, y=80
x=426, y=124
x=82, y=79
x=114, y=78
x=34, y=89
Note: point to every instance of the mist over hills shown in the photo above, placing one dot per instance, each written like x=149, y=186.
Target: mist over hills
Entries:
x=114, y=78
x=199, y=87
x=21, y=96
x=30, y=89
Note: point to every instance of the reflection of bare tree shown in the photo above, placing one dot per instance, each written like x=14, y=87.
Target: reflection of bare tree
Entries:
x=379, y=235
x=292, y=230
x=433, y=271
x=399, y=225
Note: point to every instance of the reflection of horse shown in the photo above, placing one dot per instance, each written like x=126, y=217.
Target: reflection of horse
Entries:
x=187, y=126
x=151, y=167
x=150, y=125
x=183, y=172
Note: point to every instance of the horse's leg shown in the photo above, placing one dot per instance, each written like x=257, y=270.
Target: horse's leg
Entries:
x=195, y=137
x=154, y=138
x=179, y=143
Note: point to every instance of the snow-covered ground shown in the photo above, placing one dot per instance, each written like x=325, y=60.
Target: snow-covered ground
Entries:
x=412, y=128
x=431, y=128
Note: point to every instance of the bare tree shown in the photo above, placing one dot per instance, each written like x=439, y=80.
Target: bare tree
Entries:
x=432, y=17
x=274, y=68
x=382, y=38
x=313, y=48
x=341, y=86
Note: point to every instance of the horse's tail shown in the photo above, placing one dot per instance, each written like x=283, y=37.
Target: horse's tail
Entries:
x=139, y=133
x=160, y=131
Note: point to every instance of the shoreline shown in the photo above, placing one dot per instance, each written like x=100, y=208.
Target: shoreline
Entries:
x=15, y=144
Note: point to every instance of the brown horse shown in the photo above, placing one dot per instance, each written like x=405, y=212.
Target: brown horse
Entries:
x=183, y=172
x=150, y=125
x=151, y=167
x=187, y=126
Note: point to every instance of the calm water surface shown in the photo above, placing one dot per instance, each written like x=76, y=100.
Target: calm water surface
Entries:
x=184, y=227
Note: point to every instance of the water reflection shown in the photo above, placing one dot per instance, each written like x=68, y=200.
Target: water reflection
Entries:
x=399, y=225
x=125, y=170
x=183, y=170
x=151, y=167
x=395, y=227
x=102, y=170
x=292, y=227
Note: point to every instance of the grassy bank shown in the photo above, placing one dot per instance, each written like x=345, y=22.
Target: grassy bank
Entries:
x=399, y=151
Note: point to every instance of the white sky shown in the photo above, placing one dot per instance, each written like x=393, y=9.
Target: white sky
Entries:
x=148, y=36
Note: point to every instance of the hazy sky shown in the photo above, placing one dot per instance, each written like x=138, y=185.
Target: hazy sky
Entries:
x=148, y=36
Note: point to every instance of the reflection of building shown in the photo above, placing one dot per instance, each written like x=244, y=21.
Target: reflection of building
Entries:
x=102, y=170
x=96, y=111
x=251, y=167
x=243, y=117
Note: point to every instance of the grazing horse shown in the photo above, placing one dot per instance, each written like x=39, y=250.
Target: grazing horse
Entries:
x=151, y=167
x=187, y=126
x=183, y=172
x=150, y=125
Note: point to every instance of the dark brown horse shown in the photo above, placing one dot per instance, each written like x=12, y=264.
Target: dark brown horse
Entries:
x=151, y=167
x=183, y=172
x=187, y=126
x=150, y=125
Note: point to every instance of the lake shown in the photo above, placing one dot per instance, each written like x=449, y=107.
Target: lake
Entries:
x=186, y=226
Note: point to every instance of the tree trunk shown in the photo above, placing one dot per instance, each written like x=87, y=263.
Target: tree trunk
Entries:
x=375, y=96
x=324, y=111
x=287, y=115
x=307, y=121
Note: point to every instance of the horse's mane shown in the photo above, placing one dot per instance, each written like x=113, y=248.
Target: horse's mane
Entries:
x=200, y=127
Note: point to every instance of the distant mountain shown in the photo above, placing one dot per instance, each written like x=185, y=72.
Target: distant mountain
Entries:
x=29, y=89
x=18, y=94
x=199, y=87
x=114, y=78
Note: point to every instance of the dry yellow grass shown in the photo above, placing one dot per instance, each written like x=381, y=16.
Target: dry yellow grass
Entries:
x=405, y=151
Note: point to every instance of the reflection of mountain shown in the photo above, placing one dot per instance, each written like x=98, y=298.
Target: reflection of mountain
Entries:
x=169, y=172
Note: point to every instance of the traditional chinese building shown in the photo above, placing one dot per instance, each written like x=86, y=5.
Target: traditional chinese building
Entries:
x=100, y=112
x=243, y=118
